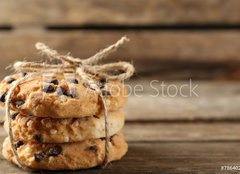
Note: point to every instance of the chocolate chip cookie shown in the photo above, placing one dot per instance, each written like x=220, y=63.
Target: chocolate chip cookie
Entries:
x=62, y=96
x=52, y=130
x=66, y=156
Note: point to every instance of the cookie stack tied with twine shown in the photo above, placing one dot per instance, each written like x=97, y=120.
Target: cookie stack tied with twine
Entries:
x=67, y=115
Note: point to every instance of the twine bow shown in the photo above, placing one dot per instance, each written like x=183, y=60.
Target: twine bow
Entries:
x=89, y=65
x=84, y=67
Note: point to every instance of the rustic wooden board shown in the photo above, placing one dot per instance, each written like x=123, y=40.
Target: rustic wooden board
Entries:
x=151, y=48
x=215, y=101
x=179, y=132
x=103, y=12
x=199, y=46
x=184, y=70
x=202, y=108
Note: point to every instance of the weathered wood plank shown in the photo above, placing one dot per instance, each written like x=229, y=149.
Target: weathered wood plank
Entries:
x=193, y=131
x=202, y=108
x=146, y=48
x=103, y=12
x=184, y=70
x=155, y=158
x=199, y=46
x=212, y=101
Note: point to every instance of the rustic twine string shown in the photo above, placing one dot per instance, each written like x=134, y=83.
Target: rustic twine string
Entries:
x=105, y=162
x=70, y=64
x=83, y=67
x=8, y=116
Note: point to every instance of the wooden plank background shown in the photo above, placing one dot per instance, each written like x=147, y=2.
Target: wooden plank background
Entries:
x=134, y=12
x=172, y=41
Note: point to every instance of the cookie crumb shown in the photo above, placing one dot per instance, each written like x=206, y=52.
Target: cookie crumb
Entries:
x=76, y=123
x=66, y=139
x=53, y=131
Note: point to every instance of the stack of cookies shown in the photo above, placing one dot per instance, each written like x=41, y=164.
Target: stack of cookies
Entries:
x=58, y=121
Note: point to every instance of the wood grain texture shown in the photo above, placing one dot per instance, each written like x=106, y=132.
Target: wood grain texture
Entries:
x=203, y=108
x=184, y=70
x=199, y=46
x=104, y=12
x=212, y=101
x=146, y=48
x=181, y=132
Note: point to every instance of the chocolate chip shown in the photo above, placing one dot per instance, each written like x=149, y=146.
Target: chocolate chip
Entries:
x=61, y=91
x=38, y=138
x=18, y=144
x=72, y=93
x=54, y=81
x=13, y=116
x=39, y=156
x=92, y=148
x=55, y=151
x=23, y=74
x=19, y=102
x=102, y=83
x=75, y=81
x=87, y=85
x=2, y=97
x=10, y=80
x=95, y=116
x=48, y=88
x=105, y=93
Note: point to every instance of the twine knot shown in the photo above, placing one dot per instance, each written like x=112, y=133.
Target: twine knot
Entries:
x=112, y=71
